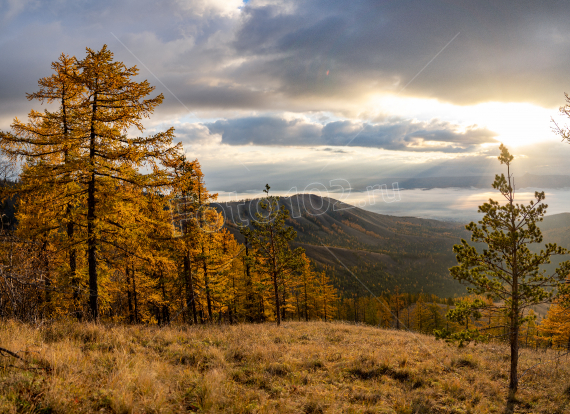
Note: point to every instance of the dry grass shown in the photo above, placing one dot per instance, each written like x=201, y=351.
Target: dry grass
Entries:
x=298, y=368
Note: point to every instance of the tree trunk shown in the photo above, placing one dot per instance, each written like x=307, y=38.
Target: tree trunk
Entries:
x=283, y=301
x=165, y=310
x=514, y=334
x=47, y=280
x=277, y=308
x=306, y=303
x=190, y=299
x=207, y=286
x=355, y=309
x=398, y=314
x=325, y=305
x=73, y=265
x=514, y=339
x=275, y=275
x=129, y=296
x=91, y=242
x=249, y=299
x=232, y=307
x=70, y=227
x=135, y=301
x=420, y=316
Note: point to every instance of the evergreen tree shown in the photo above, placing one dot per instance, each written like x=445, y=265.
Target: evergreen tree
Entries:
x=421, y=314
x=506, y=270
x=306, y=284
x=383, y=313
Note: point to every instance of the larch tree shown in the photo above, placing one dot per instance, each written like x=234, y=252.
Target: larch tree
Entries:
x=556, y=325
x=421, y=314
x=196, y=222
x=270, y=238
x=506, y=271
x=328, y=296
x=86, y=144
x=48, y=195
x=184, y=207
x=112, y=104
x=305, y=288
x=397, y=304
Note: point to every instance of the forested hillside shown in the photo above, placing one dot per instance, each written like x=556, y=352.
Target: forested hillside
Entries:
x=102, y=224
x=556, y=229
x=383, y=251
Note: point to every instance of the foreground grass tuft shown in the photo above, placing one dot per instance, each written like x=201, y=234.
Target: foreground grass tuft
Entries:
x=297, y=368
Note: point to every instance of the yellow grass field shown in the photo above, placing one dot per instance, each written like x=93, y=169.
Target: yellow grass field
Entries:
x=313, y=367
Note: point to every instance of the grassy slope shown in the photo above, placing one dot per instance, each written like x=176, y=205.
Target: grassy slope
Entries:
x=298, y=368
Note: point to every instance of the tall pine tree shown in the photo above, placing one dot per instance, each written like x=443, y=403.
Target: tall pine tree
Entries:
x=507, y=271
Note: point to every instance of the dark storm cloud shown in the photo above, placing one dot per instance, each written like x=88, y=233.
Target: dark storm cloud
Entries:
x=175, y=40
x=299, y=55
x=395, y=135
x=505, y=51
x=266, y=131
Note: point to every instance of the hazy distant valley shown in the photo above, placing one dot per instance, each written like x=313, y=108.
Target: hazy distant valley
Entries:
x=453, y=199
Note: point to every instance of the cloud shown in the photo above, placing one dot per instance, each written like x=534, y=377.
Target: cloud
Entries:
x=404, y=135
x=504, y=52
x=196, y=134
x=302, y=56
x=363, y=167
x=230, y=63
x=266, y=131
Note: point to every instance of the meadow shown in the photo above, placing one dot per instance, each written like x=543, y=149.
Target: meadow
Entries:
x=314, y=367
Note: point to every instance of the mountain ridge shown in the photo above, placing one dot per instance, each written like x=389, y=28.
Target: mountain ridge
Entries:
x=479, y=181
x=383, y=252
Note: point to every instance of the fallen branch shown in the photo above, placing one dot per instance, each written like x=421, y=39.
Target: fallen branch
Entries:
x=4, y=351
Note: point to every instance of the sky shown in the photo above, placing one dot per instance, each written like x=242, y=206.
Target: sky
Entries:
x=293, y=93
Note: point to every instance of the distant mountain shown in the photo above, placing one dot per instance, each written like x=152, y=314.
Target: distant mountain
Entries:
x=556, y=229
x=525, y=181
x=381, y=251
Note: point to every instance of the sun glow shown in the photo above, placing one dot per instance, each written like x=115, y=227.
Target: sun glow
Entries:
x=516, y=124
